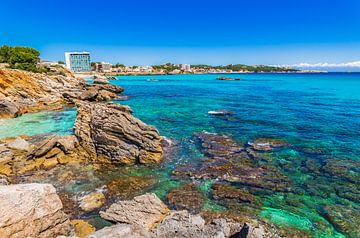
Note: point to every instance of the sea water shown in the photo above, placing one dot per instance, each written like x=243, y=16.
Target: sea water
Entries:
x=317, y=114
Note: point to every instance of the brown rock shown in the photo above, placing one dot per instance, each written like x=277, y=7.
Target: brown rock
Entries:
x=121, y=231
x=32, y=210
x=146, y=211
x=228, y=193
x=110, y=130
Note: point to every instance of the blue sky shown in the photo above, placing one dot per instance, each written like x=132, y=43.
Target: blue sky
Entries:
x=213, y=32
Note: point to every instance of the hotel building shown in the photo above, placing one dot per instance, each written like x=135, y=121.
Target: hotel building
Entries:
x=78, y=61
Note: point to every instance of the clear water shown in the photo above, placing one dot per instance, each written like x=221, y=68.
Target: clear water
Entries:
x=56, y=122
x=318, y=114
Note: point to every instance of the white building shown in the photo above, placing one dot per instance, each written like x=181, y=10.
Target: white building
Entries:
x=185, y=67
x=78, y=61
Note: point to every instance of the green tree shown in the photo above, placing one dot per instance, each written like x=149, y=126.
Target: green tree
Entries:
x=4, y=53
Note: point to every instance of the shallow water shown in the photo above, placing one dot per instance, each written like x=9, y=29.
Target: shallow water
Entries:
x=317, y=114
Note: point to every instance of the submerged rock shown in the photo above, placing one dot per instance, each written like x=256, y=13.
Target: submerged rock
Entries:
x=126, y=187
x=111, y=131
x=92, y=201
x=229, y=194
x=146, y=210
x=82, y=228
x=186, y=197
x=32, y=210
x=345, y=219
x=121, y=231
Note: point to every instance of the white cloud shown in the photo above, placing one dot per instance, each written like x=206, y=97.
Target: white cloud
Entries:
x=354, y=64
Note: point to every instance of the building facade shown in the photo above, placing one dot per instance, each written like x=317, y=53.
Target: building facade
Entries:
x=102, y=67
x=78, y=61
x=186, y=67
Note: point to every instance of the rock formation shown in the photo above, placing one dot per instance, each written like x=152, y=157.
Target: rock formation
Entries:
x=146, y=210
x=32, y=210
x=111, y=131
x=22, y=92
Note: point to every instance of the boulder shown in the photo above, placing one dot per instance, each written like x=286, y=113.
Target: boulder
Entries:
x=65, y=144
x=121, y=231
x=9, y=109
x=111, y=131
x=32, y=210
x=183, y=224
x=82, y=228
x=146, y=211
x=19, y=144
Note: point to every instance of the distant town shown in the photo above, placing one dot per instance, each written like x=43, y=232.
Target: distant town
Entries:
x=80, y=63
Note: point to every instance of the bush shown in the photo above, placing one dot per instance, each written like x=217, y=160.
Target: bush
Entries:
x=19, y=57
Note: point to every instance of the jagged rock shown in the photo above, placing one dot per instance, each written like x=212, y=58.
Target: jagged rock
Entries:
x=183, y=224
x=32, y=210
x=186, y=197
x=100, y=80
x=121, y=231
x=3, y=180
x=92, y=201
x=9, y=109
x=65, y=143
x=111, y=131
x=146, y=210
x=267, y=144
x=19, y=144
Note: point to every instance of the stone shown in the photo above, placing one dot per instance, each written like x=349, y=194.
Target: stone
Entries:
x=19, y=144
x=32, y=210
x=65, y=143
x=92, y=201
x=111, y=131
x=82, y=228
x=183, y=224
x=9, y=109
x=146, y=211
x=186, y=197
x=4, y=180
x=100, y=80
x=121, y=231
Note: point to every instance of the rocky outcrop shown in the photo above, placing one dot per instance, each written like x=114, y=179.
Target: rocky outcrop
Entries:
x=146, y=211
x=32, y=210
x=23, y=92
x=121, y=231
x=112, y=132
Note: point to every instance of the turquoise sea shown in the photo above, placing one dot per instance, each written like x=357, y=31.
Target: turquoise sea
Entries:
x=318, y=115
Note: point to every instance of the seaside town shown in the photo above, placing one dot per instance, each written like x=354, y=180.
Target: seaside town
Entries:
x=80, y=63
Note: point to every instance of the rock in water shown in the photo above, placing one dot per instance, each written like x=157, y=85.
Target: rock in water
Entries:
x=19, y=144
x=146, y=210
x=111, y=131
x=32, y=210
x=121, y=231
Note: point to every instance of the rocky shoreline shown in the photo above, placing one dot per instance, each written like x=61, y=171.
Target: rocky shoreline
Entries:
x=37, y=172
